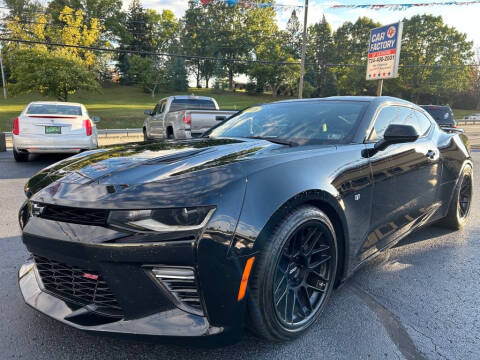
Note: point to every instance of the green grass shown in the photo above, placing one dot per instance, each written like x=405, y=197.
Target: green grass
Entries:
x=122, y=107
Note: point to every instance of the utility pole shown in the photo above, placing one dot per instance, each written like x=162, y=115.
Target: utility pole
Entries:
x=304, y=41
x=380, y=87
x=3, y=75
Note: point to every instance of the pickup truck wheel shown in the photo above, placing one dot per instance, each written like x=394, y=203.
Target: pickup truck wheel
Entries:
x=145, y=137
x=170, y=133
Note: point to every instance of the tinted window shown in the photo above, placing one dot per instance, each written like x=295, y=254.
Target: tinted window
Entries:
x=393, y=115
x=312, y=122
x=192, y=104
x=441, y=114
x=423, y=124
x=53, y=109
x=156, y=109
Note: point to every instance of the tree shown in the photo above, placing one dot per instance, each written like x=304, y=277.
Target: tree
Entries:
x=236, y=31
x=351, y=43
x=274, y=74
x=197, y=40
x=53, y=70
x=176, y=75
x=294, y=36
x=109, y=13
x=22, y=9
x=50, y=73
x=322, y=53
x=436, y=56
x=142, y=71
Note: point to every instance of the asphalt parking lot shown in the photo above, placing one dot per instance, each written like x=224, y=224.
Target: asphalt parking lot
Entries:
x=418, y=300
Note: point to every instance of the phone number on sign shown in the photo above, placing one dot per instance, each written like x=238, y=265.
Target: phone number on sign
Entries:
x=381, y=59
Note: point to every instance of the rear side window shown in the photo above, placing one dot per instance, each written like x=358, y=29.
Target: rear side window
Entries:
x=423, y=123
x=54, y=109
x=192, y=104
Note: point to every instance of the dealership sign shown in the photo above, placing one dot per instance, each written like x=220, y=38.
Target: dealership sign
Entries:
x=384, y=52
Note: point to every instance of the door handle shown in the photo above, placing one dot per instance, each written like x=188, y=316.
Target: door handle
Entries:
x=431, y=154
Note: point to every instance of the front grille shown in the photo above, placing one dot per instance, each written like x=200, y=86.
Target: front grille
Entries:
x=70, y=214
x=77, y=285
x=180, y=281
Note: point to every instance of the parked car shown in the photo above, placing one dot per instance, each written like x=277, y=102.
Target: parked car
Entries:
x=256, y=222
x=182, y=117
x=53, y=127
x=443, y=115
x=472, y=117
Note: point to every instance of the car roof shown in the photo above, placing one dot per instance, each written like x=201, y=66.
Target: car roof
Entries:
x=370, y=99
x=435, y=106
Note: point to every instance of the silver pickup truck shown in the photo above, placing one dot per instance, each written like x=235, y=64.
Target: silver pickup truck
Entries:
x=182, y=117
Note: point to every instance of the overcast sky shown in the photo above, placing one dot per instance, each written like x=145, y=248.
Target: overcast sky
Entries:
x=464, y=18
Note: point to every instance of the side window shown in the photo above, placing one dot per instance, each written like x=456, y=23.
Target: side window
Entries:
x=155, y=110
x=423, y=123
x=162, y=106
x=384, y=118
x=393, y=115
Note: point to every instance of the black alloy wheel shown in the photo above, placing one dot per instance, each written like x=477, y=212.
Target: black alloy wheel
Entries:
x=461, y=202
x=465, y=197
x=294, y=275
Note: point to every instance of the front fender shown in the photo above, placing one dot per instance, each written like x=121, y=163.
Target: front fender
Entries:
x=341, y=179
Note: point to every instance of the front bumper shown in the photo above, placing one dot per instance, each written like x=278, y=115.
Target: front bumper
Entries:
x=38, y=143
x=173, y=323
x=148, y=309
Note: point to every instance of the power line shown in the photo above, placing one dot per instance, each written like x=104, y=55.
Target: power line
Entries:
x=199, y=57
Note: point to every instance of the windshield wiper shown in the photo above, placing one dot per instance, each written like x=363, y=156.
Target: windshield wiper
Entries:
x=273, y=140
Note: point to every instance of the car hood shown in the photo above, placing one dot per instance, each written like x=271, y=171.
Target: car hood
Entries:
x=140, y=163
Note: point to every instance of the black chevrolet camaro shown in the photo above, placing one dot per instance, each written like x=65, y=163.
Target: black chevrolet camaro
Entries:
x=251, y=225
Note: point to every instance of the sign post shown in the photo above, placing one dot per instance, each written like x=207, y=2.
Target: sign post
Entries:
x=384, y=53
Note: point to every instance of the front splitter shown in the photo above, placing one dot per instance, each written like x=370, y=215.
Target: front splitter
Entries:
x=171, y=326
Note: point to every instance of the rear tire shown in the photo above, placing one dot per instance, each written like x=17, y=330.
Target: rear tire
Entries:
x=170, y=133
x=297, y=266
x=145, y=137
x=461, y=202
x=20, y=156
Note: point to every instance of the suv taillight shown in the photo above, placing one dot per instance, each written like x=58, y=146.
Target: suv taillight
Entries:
x=87, y=125
x=187, y=118
x=16, y=127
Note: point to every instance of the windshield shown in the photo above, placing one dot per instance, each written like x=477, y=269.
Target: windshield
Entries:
x=53, y=109
x=307, y=122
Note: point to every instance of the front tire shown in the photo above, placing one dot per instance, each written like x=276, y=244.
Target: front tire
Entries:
x=461, y=202
x=294, y=275
x=20, y=156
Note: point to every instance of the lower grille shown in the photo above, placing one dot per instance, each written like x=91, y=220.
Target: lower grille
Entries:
x=180, y=281
x=77, y=285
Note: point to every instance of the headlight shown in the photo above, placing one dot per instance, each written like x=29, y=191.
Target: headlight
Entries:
x=162, y=220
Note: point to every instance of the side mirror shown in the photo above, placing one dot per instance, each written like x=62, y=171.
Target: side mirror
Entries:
x=394, y=134
x=95, y=119
x=397, y=134
x=148, y=112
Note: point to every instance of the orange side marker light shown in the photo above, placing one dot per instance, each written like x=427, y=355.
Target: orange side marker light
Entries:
x=245, y=276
